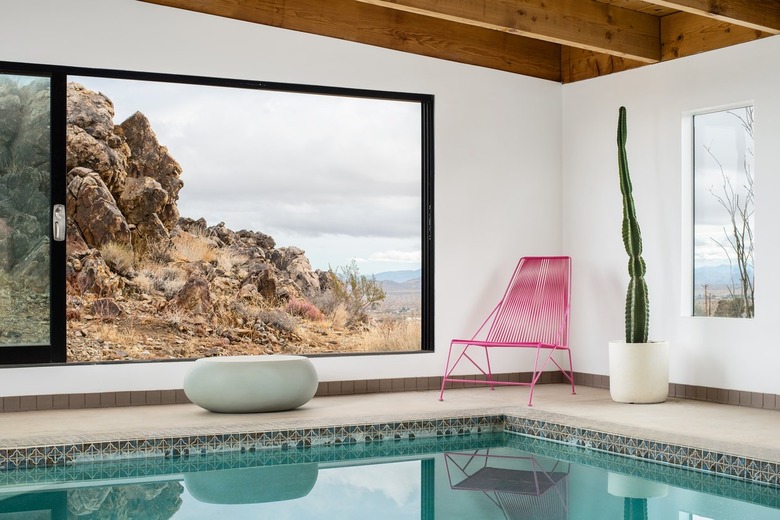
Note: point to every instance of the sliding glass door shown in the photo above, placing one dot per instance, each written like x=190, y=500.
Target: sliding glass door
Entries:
x=30, y=216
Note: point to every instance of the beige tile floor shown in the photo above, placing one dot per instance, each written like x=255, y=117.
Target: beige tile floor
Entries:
x=731, y=429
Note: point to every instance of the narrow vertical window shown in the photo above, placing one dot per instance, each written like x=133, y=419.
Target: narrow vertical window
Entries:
x=724, y=213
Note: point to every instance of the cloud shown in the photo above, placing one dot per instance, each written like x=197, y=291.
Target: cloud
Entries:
x=411, y=257
x=399, y=481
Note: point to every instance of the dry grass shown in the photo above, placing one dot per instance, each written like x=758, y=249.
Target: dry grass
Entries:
x=112, y=334
x=229, y=314
x=118, y=256
x=227, y=259
x=176, y=317
x=193, y=248
x=278, y=319
x=391, y=335
x=339, y=317
x=161, y=278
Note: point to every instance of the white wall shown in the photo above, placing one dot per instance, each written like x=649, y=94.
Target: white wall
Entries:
x=498, y=142
x=717, y=352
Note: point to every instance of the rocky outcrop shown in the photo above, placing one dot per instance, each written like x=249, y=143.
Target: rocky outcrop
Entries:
x=151, y=501
x=139, y=174
x=24, y=133
x=132, y=257
x=90, y=138
x=149, y=160
x=194, y=296
x=93, y=209
x=293, y=260
x=24, y=180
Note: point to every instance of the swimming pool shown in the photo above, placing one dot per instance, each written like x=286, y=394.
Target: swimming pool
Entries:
x=487, y=475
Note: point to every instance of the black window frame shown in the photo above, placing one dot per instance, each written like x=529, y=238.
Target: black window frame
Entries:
x=56, y=352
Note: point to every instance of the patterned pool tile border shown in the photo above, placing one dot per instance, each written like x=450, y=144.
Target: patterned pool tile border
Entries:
x=675, y=476
x=677, y=455
x=163, y=446
x=217, y=461
x=284, y=438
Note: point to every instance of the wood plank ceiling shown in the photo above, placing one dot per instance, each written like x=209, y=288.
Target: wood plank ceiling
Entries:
x=558, y=40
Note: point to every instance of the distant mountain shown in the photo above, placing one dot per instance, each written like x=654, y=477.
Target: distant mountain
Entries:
x=716, y=275
x=398, y=276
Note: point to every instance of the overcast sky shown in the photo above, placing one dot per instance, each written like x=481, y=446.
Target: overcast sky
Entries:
x=731, y=145
x=337, y=177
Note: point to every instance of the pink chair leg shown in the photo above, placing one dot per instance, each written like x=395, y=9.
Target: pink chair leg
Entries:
x=571, y=374
x=534, y=377
x=489, y=370
x=446, y=374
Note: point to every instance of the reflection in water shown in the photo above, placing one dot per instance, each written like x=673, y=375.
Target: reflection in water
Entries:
x=521, y=486
x=24, y=210
x=386, y=491
x=252, y=485
x=506, y=477
x=153, y=501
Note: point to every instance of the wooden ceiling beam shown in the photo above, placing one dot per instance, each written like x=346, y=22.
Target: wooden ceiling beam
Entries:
x=392, y=29
x=583, y=24
x=684, y=34
x=581, y=64
x=760, y=15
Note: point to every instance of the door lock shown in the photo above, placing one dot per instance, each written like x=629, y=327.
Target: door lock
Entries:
x=58, y=222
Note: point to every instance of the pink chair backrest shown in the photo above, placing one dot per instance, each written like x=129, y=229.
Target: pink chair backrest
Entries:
x=535, y=306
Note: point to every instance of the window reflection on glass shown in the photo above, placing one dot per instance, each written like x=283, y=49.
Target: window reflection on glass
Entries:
x=210, y=220
x=724, y=207
x=24, y=209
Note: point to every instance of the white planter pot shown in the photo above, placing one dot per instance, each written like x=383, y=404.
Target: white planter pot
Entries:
x=628, y=486
x=639, y=372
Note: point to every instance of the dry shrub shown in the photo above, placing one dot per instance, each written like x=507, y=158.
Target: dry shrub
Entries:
x=336, y=310
x=395, y=335
x=304, y=309
x=227, y=259
x=233, y=313
x=175, y=317
x=119, y=257
x=278, y=319
x=157, y=252
x=164, y=279
x=193, y=248
x=112, y=334
x=339, y=317
x=72, y=314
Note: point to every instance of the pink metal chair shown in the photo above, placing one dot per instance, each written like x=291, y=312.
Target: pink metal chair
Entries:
x=520, y=486
x=533, y=313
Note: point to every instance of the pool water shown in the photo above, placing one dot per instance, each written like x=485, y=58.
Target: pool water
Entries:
x=485, y=477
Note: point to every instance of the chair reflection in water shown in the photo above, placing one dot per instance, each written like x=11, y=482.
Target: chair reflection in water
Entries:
x=533, y=314
x=518, y=485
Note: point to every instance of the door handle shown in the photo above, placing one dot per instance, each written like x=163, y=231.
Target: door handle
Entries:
x=58, y=222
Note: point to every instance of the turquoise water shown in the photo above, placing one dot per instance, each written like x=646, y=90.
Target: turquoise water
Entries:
x=486, y=476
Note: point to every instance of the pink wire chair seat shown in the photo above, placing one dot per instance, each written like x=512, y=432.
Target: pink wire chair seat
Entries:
x=533, y=313
x=519, y=485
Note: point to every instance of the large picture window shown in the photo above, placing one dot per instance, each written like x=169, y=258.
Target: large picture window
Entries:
x=211, y=217
x=724, y=220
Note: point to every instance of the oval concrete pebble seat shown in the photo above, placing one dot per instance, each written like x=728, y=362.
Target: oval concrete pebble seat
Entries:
x=248, y=384
x=258, y=485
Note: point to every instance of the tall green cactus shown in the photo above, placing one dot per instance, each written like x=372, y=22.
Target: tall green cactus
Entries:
x=634, y=508
x=637, y=303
